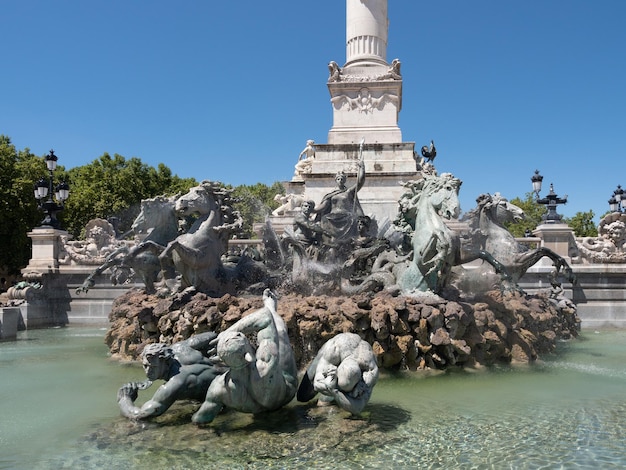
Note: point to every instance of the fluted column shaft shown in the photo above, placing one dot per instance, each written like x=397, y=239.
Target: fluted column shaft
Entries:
x=366, y=31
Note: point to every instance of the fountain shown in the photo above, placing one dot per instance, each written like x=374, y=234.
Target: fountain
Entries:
x=369, y=295
x=366, y=99
x=362, y=288
x=353, y=264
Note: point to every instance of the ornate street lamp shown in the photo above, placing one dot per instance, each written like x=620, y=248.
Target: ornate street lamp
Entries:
x=536, y=179
x=550, y=201
x=44, y=189
x=615, y=203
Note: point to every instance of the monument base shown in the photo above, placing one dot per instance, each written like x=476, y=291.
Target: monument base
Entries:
x=387, y=165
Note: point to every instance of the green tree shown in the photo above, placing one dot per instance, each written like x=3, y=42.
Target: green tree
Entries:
x=255, y=203
x=582, y=224
x=114, y=186
x=534, y=215
x=19, y=213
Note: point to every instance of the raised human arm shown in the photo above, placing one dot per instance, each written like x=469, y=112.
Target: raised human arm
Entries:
x=196, y=350
x=252, y=323
x=201, y=341
x=360, y=179
x=322, y=208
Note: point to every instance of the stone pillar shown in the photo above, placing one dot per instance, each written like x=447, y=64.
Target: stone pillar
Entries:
x=46, y=248
x=366, y=31
x=366, y=94
x=9, y=320
x=366, y=99
x=48, y=305
x=557, y=237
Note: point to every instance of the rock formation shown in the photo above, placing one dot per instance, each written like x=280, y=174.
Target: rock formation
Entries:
x=405, y=332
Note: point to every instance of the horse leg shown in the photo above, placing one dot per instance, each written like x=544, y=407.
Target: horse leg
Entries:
x=497, y=265
x=112, y=260
x=192, y=257
x=148, y=281
x=147, y=267
x=166, y=260
x=560, y=264
x=148, y=245
x=468, y=257
x=529, y=258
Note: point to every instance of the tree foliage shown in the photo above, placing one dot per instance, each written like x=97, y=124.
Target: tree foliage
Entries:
x=110, y=186
x=107, y=187
x=19, y=212
x=113, y=186
x=534, y=215
x=582, y=224
x=255, y=203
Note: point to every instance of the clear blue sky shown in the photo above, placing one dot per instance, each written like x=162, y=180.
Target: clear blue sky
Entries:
x=231, y=90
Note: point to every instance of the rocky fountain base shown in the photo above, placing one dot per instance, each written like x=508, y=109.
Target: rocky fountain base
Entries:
x=414, y=333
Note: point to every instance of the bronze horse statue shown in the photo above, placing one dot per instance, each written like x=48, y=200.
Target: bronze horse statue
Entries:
x=196, y=254
x=424, y=262
x=436, y=248
x=487, y=232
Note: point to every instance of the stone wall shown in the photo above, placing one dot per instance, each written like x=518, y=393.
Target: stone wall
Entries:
x=405, y=332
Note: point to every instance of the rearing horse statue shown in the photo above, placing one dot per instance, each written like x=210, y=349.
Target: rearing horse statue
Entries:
x=436, y=248
x=196, y=254
x=487, y=232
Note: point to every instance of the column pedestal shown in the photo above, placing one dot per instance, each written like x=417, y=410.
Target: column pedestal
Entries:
x=46, y=248
x=557, y=237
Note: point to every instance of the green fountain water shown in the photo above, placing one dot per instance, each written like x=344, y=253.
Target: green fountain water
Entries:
x=58, y=410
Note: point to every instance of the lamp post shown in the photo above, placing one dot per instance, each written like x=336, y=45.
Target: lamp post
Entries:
x=536, y=180
x=550, y=201
x=45, y=189
x=615, y=203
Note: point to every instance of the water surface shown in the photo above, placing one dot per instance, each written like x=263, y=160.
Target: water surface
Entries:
x=58, y=410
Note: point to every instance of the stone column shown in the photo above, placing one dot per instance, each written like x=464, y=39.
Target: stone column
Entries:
x=366, y=31
x=46, y=306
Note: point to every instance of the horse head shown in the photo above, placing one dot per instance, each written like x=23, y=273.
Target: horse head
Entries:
x=498, y=209
x=201, y=199
x=431, y=196
x=442, y=193
x=154, y=213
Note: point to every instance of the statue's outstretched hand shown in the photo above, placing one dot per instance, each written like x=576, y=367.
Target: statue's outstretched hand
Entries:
x=212, y=350
x=212, y=353
x=129, y=390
